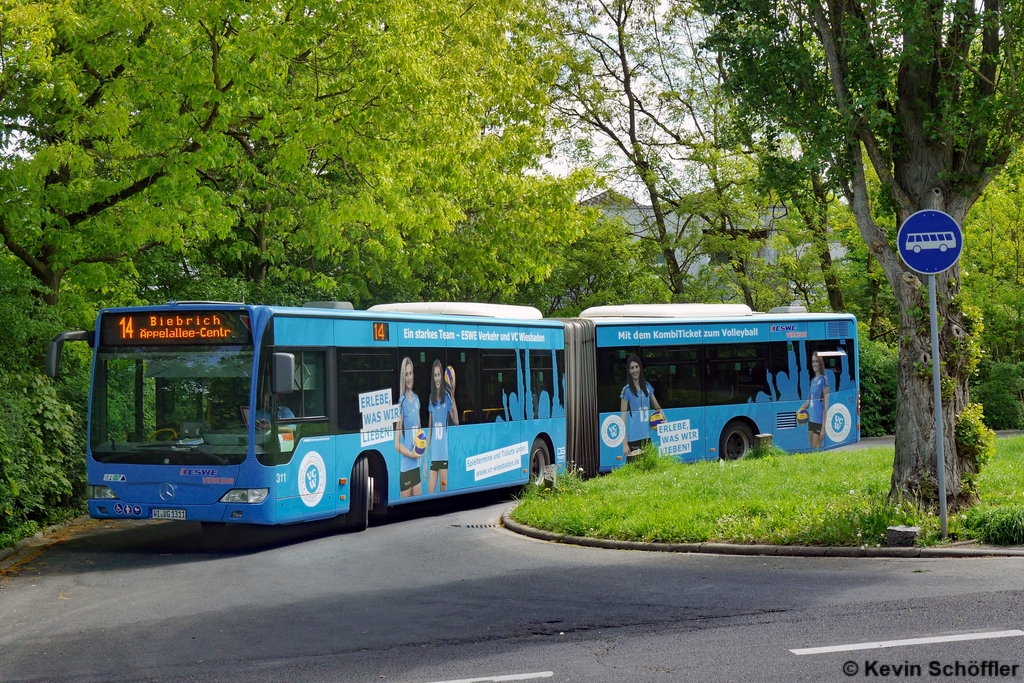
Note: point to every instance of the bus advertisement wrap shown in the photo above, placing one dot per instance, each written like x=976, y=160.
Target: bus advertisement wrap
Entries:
x=189, y=421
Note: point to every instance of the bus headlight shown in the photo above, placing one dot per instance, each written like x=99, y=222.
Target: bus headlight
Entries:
x=101, y=492
x=255, y=496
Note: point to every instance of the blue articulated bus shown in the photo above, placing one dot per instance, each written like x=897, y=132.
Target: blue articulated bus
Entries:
x=219, y=412
x=701, y=380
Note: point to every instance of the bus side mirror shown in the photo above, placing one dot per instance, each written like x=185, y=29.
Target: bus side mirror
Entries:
x=55, y=348
x=284, y=373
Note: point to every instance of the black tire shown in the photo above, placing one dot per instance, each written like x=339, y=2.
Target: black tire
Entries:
x=540, y=456
x=378, y=489
x=379, y=512
x=737, y=438
x=359, y=494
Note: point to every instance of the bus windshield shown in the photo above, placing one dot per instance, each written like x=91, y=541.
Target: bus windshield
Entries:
x=171, y=406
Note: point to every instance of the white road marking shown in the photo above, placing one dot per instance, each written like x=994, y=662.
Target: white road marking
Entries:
x=508, y=677
x=909, y=641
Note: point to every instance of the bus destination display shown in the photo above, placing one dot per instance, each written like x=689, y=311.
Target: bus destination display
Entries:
x=175, y=327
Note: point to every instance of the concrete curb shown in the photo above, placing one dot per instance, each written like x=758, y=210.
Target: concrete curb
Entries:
x=738, y=549
x=28, y=546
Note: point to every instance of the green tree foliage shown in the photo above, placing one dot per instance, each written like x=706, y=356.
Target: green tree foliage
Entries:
x=106, y=111
x=340, y=144
x=993, y=264
x=804, y=190
x=879, y=364
x=927, y=93
x=41, y=434
x=865, y=289
x=643, y=102
x=603, y=266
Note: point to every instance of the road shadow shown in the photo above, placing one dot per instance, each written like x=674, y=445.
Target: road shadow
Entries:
x=144, y=543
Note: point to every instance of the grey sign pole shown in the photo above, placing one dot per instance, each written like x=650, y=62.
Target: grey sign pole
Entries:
x=937, y=397
x=930, y=242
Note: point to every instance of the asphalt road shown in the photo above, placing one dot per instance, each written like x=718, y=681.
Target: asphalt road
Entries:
x=450, y=595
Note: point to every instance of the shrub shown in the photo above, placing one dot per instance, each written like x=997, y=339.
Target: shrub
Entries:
x=1003, y=525
x=42, y=436
x=879, y=367
x=42, y=471
x=1000, y=389
x=975, y=442
x=974, y=439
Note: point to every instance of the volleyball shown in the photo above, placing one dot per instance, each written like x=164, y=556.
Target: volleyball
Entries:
x=419, y=442
x=657, y=418
x=449, y=379
x=802, y=416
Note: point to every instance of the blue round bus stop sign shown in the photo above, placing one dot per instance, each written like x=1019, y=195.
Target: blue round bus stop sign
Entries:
x=930, y=242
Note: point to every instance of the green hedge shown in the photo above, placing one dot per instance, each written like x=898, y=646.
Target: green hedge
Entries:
x=42, y=435
x=878, y=372
x=999, y=388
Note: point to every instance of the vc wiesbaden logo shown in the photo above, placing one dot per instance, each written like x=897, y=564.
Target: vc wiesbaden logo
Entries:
x=613, y=431
x=838, y=423
x=312, y=479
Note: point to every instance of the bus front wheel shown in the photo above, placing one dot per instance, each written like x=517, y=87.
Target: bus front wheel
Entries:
x=737, y=438
x=359, y=496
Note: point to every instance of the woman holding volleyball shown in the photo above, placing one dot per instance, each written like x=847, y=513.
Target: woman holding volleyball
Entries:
x=817, y=404
x=442, y=414
x=406, y=432
x=637, y=400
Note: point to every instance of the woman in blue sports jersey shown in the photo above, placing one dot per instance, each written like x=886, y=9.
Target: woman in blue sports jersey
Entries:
x=637, y=399
x=442, y=414
x=409, y=480
x=817, y=402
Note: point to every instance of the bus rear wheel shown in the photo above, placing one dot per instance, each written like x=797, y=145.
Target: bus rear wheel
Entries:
x=540, y=457
x=358, y=516
x=737, y=438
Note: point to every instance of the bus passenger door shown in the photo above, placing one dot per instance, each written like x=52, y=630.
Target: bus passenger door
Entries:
x=306, y=477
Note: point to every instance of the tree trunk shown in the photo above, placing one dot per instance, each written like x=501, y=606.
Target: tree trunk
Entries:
x=915, y=465
x=915, y=468
x=258, y=264
x=51, y=282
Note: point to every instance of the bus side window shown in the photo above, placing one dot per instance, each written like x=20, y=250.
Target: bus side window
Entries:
x=542, y=384
x=466, y=365
x=674, y=374
x=612, y=373
x=499, y=386
x=308, y=398
x=784, y=370
x=362, y=371
x=851, y=360
x=736, y=373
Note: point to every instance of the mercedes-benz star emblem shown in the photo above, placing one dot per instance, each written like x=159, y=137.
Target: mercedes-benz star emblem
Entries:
x=166, y=492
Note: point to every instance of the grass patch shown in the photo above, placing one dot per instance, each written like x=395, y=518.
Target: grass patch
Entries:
x=1001, y=525
x=830, y=498
x=761, y=452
